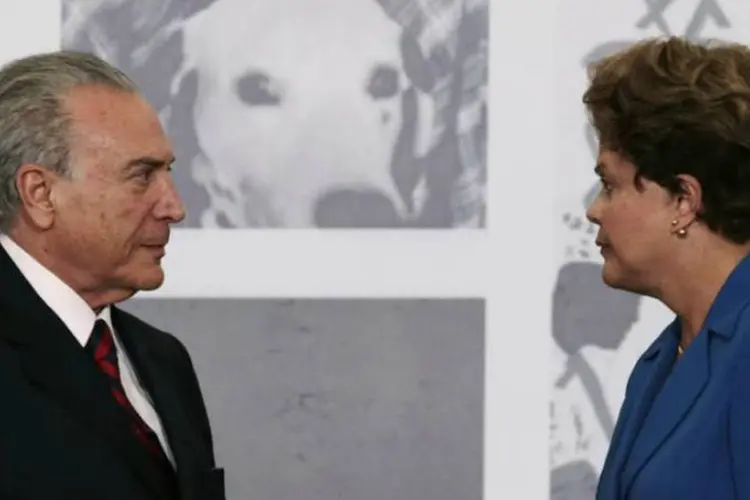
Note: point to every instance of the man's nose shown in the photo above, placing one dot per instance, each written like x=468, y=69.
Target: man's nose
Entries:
x=170, y=206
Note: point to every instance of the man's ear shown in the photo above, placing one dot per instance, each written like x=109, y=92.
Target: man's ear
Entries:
x=35, y=186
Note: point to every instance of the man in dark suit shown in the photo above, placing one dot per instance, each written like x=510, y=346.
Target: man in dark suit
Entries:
x=94, y=403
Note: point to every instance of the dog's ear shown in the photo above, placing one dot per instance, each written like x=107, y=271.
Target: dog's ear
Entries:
x=420, y=74
x=425, y=120
x=141, y=37
x=416, y=66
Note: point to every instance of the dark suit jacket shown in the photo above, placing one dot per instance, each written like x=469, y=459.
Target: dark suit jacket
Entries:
x=684, y=428
x=62, y=436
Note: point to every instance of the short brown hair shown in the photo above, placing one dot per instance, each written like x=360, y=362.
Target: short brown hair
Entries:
x=675, y=107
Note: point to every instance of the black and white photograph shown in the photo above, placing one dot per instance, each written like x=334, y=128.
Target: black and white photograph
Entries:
x=316, y=399
x=300, y=114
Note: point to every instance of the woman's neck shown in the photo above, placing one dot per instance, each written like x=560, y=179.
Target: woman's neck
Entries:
x=695, y=283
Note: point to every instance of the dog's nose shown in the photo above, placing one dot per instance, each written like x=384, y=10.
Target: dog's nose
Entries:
x=355, y=208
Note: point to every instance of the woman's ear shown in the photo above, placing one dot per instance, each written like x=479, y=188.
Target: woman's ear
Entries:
x=689, y=198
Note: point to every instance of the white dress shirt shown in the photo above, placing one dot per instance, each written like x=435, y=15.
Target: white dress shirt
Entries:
x=76, y=314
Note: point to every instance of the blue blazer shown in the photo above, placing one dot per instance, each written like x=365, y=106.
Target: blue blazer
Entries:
x=683, y=431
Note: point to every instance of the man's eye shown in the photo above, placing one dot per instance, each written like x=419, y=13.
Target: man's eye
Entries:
x=145, y=174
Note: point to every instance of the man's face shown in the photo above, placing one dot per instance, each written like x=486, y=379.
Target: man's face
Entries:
x=112, y=217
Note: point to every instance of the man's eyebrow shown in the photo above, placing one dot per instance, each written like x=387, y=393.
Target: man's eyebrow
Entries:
x=150, y=161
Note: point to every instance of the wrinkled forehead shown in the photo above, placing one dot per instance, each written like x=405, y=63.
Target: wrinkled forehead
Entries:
x=293, y=37
x=106, y=118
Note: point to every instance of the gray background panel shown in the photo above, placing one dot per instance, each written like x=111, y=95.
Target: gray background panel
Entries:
x=352, y=399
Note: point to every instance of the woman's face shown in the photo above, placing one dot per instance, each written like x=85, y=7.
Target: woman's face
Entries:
x=636, y=234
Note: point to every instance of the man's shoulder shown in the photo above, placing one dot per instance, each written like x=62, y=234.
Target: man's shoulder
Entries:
x=144, y=332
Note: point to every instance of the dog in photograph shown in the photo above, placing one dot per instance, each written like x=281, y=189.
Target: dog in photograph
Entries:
x=293, y=113
x=298, y=112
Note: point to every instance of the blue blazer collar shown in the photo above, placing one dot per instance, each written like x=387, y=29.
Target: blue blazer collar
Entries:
x=677, y=385
x=651, y=420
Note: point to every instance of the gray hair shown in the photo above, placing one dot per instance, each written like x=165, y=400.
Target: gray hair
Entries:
x=34, y=124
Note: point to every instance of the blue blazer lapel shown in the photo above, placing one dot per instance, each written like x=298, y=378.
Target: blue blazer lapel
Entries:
x=608, y=486
x=643, y=386
x=677, y=395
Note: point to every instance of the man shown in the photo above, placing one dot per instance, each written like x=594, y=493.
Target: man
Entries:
x=94, y=403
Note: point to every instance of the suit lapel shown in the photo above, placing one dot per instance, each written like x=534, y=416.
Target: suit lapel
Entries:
x=181, y=432
x=647, y=378
x=678, y=394
x=56, y=364
x=608, y=485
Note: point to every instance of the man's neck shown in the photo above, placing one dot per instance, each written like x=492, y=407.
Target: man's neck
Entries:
x=85, y=285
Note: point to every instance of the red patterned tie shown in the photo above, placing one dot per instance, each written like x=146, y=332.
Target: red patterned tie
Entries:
x=102, y=347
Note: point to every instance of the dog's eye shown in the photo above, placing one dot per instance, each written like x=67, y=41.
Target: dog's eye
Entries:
x=384, y=82
x=257, y=89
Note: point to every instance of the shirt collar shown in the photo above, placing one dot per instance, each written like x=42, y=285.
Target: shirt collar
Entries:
x=70, y=307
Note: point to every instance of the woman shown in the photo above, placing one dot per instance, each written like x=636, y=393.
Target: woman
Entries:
x=673, y=120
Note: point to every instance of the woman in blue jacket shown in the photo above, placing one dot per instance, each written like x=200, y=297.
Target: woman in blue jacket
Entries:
x=673, y=121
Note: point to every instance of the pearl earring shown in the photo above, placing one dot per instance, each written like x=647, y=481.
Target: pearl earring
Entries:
x=682, y=232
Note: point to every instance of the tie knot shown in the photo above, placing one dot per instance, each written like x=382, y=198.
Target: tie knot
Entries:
x=101, y=344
